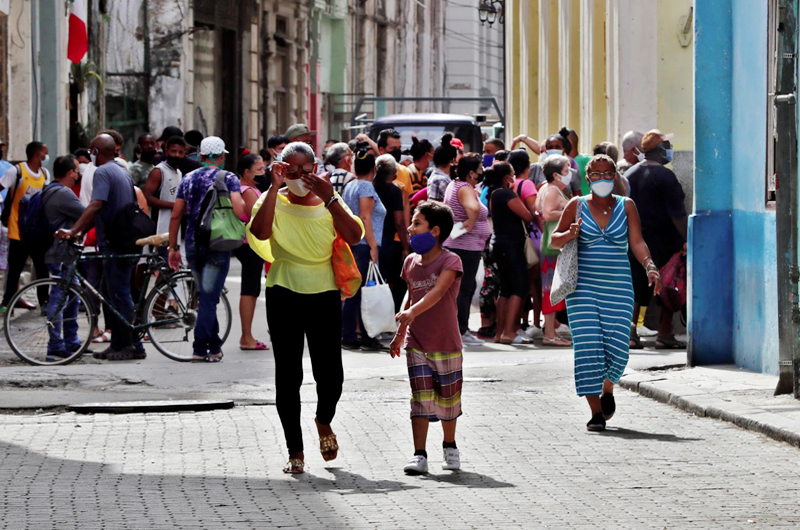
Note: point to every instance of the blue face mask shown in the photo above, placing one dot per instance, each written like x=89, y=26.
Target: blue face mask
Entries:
x=488, y=160
x=46, y=159
x=669, y=154
x=422, y=243
x=551, y=152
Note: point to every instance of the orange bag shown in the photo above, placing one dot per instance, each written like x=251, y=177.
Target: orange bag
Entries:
x=345, y=269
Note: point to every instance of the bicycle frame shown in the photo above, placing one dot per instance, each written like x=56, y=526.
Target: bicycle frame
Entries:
x=84, y=283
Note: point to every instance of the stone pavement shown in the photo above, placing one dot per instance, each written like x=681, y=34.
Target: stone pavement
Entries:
x=725, y=392
x=528, y=462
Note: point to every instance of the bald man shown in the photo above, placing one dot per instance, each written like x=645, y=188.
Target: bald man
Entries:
x=111, y=194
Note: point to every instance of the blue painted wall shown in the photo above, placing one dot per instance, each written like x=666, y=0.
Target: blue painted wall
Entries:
x=731, y=53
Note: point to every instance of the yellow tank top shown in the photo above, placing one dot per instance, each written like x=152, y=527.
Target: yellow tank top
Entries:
x=28, y=185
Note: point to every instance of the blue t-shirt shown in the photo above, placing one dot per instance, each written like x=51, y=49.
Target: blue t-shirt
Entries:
x=193, y=189
x=113, y=186
x=352, y=197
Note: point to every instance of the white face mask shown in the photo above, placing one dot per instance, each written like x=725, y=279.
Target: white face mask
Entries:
x=93, y=158
x=603, y=188
x=82, y=168
x=640, y=156
x=566, y=180
x=297, y=187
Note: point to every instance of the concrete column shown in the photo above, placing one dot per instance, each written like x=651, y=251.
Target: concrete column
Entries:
x=548, y=66
x=53, y=124
x=569, y=63
x=710, y=265
x=632, y=66
x=593, y=90
x=513, y=66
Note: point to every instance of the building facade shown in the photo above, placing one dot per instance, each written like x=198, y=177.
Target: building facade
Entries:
x=602, y=67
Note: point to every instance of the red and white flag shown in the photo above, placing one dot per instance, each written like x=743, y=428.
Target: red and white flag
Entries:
x=78, y=38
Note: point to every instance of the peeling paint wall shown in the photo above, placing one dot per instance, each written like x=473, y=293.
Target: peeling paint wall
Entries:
x=169, y=21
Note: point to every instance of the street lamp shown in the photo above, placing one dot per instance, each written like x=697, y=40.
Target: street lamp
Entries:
x=488, y=11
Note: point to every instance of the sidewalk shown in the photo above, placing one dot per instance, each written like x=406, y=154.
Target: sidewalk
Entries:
x=724, y=392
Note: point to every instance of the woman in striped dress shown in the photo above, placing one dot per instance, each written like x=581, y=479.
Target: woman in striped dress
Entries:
x=601, y=307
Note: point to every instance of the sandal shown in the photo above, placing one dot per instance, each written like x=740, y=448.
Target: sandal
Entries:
x=635, y=342
x=260, y=346
x=669, y=344
x=294, y=466
x=516, y=341
x=328, y=447
x=557, y=342
x=207, y=358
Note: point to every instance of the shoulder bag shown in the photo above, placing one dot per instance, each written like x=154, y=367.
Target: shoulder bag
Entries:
x=565, y=279
x=531, y=255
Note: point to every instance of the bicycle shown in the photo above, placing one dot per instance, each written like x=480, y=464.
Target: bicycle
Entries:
x=167, y=314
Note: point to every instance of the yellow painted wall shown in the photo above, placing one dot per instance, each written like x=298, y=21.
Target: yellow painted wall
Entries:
x=574, y=67
x=675, y=80
x=599, y=130
x=513, y=68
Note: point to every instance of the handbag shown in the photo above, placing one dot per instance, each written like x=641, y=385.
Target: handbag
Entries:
x=345, y=270
x=673, y=282
x=565, y=279
x=531, y=256
x=377, y=304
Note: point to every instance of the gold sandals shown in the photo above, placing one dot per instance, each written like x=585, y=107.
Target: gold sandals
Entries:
x=294, y=466
x=328, y=447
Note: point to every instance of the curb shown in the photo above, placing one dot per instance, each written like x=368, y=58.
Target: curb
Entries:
x=703, y=404
x=143, y=407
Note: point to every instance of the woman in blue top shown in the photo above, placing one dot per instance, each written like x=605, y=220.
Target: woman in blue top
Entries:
x=601, y=307
x=363, y=200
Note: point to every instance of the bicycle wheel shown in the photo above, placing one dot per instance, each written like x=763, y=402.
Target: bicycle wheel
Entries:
x=28, y=331
x=171, y=314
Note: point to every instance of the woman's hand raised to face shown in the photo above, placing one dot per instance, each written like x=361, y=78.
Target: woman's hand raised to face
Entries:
x=278, y=174
x=319, y=186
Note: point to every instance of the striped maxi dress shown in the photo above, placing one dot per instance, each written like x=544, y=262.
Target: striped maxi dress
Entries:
x=601, y=308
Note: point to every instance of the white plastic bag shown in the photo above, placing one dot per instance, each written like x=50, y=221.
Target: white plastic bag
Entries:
x=377, y=304
x=475, y=306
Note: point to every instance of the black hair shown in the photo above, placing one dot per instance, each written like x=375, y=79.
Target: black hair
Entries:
x=565, y=132
x=445, y=153
x=606, y=148
x=33, y=148
x=519, y=160
x=563, y=135
x=331, y=141
x=565, y=145
x=193, y=137
x=419, y=148
x=264, y=152
x=276, y=140
x=494, y=179
x=437, y=214
x=246, y=162
x=553, y=165
x=383, y=137
x=63, y=165
x=82, y=151
x=468, y=163
x=497, y=142
x=142, y=137
x=501, y=156
x=364, y=163
x=175, y=140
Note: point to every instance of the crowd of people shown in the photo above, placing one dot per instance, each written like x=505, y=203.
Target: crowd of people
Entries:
x=439, y=223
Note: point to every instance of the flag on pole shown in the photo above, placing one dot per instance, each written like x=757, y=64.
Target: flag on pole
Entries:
x=78, y=38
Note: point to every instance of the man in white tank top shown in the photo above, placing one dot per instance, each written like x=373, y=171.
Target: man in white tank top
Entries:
x=162, y=184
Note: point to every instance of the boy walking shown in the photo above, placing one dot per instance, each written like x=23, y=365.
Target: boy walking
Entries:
x=429, y=328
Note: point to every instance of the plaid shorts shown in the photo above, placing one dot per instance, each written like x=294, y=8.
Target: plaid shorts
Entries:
x=436, y=381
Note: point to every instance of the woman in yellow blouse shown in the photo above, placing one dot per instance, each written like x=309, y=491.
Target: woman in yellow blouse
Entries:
x=294, y=229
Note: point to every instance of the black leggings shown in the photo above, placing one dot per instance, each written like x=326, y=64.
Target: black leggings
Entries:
x=252, y=270
x=470, y=260
x=290, y=322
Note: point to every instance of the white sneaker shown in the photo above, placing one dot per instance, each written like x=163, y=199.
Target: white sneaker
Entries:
x=532, y=332
x=417, y=465
x=468, y=339
x=644, y=331
x=452, y=460
x=563, y=330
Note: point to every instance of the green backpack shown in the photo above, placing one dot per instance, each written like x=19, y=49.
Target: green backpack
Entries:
x=218, y=228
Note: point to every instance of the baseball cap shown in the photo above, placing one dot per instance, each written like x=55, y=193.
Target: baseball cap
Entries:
x=298, y=129
x=169, y=132
x=653, y=139
x=212, y=145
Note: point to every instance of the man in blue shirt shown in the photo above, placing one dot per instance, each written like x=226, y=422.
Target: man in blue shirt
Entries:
x=210, y=268
x=112, y=191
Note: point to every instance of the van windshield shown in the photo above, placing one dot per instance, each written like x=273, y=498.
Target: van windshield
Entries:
x=433, y=133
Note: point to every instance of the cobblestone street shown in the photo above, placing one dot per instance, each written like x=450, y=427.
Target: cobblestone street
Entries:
x=527, y=462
